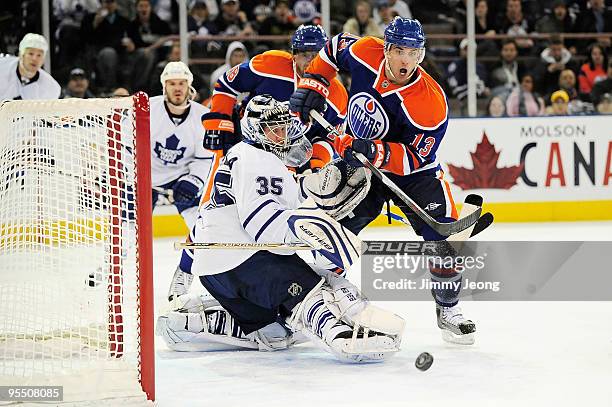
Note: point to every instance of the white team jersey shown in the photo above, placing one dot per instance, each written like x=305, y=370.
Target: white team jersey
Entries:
x=253, y=196
x=45, y=87
x=177, y=150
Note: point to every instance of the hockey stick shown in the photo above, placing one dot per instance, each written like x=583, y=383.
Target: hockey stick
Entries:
x=444, y=229
x=242, y=246
x=166, y=193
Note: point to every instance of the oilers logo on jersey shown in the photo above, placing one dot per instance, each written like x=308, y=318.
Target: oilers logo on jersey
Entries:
x=170, y=153
x=366, y=117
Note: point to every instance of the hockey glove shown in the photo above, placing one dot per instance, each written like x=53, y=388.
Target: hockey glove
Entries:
x=376, y=151
x=311, y=92
x=187, y=190
x=218, y=130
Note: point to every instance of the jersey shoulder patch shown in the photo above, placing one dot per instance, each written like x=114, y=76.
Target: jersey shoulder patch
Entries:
x=425, y=102
x=369, y=51
x=273, y=64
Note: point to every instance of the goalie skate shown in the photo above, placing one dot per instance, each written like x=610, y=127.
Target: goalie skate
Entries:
x=455, y=328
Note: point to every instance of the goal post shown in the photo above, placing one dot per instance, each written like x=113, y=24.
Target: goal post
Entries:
x=76, y=284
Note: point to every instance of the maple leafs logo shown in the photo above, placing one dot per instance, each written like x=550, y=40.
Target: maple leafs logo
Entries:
x=485, y=173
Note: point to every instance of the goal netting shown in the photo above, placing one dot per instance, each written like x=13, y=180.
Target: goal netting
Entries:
x=75, y=247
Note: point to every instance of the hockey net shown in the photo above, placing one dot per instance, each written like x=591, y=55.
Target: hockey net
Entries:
x=76, y=291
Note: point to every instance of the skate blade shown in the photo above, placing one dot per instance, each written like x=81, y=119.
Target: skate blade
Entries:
x=450, y=337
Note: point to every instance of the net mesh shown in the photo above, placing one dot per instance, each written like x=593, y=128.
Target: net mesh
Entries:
x=68, y=233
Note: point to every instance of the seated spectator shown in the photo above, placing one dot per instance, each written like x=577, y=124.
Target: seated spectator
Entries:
x=603, y=86
x=592, y=71
x=362, y=23
x=145, y=31
x=457, y=75
x=554, y=59
x=485, y=25
x=559, y=21
x=199, y=23
x=120, y=93
x=514, y=23
x=235, y=55
x=523, y=101
x=594, y=19
x=394, y=7
x=496, y=107
x=559, y=104
x=78, y=85
x=605, y=104
x=281, y=22
x=231, y=20
x=383, y=14
x=508, y=72
x=105, y=30
x=70, y=15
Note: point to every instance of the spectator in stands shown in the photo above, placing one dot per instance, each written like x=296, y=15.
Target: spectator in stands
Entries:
x=457, y=75
x=362, y=24
x=199, y=23
x=592, y=71
x=554, y=59
x=383, y=14
x=523, y=101
x=559, y=104
x=174, y=55
x=231, y=20
x=145, y=32
x=78, y=85
x=396, y=8
x=485, y=25
x=261, y=12
x=595, y=19
x=106, y=30
x=559, y=21
x=514, y=23
x=69, y=15
x=235, y=55
x=120, y=92
x=605, y=104
x=496, y=107
x=567, y=82
x=602, y=87
x=281, y=22
x=508, y=72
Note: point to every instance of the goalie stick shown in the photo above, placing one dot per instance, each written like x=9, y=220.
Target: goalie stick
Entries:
x=242, y=246
x=444, y=229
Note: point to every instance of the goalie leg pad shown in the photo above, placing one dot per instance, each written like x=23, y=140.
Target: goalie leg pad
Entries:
x=312, y=226
x=201, y=324
x=321, y=321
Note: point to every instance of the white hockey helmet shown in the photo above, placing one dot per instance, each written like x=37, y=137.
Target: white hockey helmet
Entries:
x=176, y=70
x=31, y=40
x=264, y=116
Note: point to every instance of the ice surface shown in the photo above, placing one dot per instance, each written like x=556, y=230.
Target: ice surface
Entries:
x=526, y=353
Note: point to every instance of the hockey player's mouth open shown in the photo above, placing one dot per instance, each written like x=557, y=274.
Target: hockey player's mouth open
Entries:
x=403, y=71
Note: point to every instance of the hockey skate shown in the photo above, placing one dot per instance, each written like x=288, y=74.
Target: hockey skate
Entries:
x=455, y=328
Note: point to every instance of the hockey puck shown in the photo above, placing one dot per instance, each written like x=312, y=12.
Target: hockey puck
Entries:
x=423, y=361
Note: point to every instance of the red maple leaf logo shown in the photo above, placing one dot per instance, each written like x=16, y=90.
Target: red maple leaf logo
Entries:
x=485, y=173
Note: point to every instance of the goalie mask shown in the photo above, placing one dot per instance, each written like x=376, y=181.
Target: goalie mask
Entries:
x=268, y=124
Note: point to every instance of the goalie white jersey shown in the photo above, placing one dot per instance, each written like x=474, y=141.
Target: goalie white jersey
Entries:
x=43, y=86
x=176, y=143
x=252, y=198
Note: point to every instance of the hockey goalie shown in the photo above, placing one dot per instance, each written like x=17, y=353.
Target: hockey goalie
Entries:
x=260, y=298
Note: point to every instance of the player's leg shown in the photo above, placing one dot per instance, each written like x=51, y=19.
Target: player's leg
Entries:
x=368, y=209
x=432, y=193
x=182, y=277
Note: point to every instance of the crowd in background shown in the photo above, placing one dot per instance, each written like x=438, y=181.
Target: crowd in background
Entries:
x=98, y=46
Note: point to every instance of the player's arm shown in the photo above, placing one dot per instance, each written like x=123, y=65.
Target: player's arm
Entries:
x=398, y=158
x=313, y=89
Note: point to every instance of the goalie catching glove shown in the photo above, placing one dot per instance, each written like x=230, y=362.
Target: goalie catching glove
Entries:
x=337, y=188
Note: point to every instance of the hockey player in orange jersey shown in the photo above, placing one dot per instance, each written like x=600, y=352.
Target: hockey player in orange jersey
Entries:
x=397, y=118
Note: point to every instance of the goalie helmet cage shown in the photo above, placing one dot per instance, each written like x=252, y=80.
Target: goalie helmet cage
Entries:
x=76, y=288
